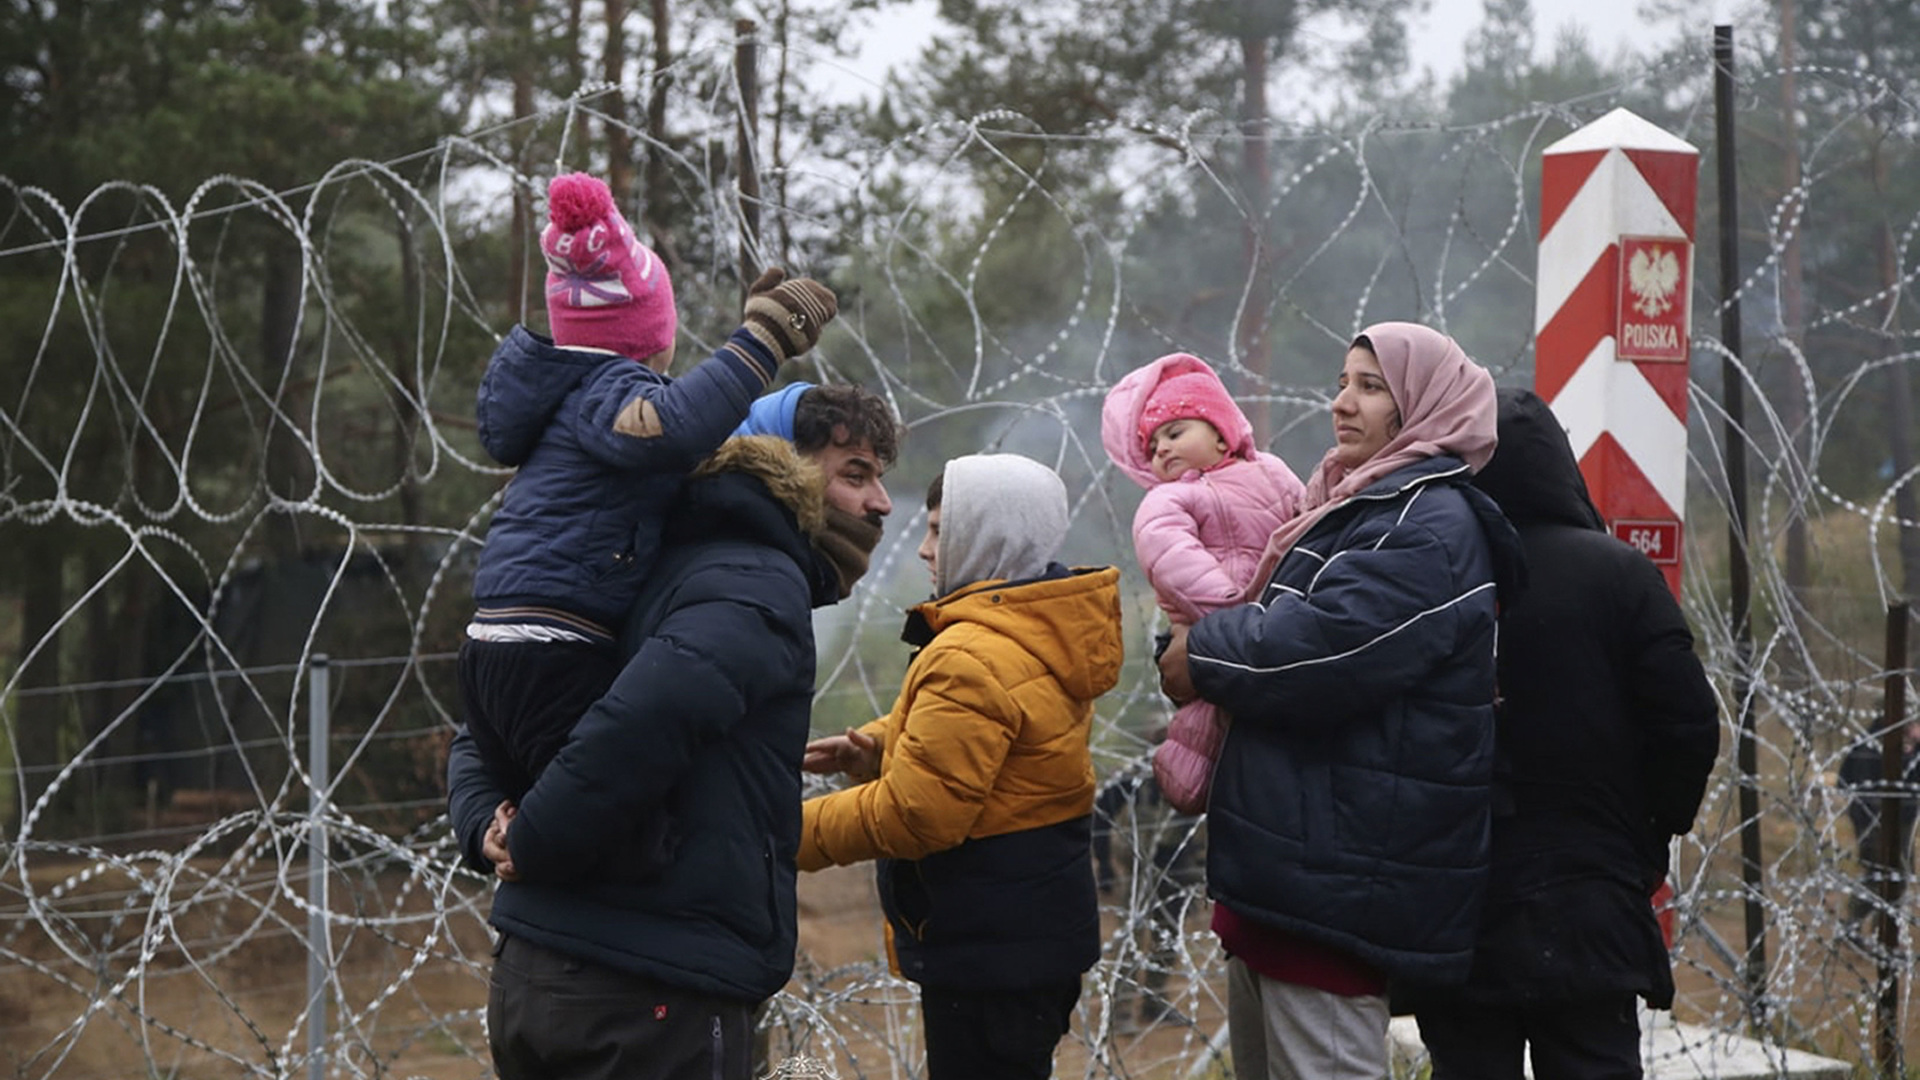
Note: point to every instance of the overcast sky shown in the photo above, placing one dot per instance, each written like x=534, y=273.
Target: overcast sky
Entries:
x=898, y=31
x=1607, y=25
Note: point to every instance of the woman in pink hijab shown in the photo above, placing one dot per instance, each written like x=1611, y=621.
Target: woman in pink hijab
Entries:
x=1349, y=819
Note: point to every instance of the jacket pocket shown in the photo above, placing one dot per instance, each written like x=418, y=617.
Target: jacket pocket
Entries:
x=904, y=897
x=773, y=912
x=648, y=851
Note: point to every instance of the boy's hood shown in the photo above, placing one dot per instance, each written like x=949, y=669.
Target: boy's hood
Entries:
x=1002, y=517
x=1068, y=619
x=523, y=387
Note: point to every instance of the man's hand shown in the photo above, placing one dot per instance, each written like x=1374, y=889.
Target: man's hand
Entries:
x=787, y=316
x=1176, y=680
x=494, y=844
x=854, y=753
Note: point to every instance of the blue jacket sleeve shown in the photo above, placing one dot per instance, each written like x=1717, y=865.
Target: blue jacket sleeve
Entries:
x=630, y=418
x=1378, y=618
x=691, y=680
x=471, y=799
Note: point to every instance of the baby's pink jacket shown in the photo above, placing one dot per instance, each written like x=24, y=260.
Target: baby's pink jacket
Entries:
x=1199, y=539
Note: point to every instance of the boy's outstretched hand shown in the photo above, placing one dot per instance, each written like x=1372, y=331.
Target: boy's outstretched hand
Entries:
x=787, y=316
x=856, y=754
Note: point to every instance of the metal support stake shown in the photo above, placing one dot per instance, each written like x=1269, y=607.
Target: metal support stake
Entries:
x=319, y=940
x=1739, y=581
x=1894, y=841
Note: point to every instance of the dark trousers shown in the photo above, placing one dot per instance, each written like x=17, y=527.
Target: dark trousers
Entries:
x=522, y=698
x=990, y=1034
x=552, y=1017
x=1597, y=1039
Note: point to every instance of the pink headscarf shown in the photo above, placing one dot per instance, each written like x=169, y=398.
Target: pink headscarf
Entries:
x=1446, y=405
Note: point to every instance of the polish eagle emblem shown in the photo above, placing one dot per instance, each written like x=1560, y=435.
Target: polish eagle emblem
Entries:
x=1652, y=275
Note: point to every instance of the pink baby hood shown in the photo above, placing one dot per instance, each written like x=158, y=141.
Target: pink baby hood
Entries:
x=1127, y=404
x=1198, y=537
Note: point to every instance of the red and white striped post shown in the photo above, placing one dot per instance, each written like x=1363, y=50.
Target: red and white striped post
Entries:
x=1613, y=312
x=1611, y=321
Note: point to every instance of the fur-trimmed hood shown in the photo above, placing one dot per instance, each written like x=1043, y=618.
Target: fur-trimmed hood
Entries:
x=794, y=481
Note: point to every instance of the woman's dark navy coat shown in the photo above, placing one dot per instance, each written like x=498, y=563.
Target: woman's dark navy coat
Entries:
x=1351, y=801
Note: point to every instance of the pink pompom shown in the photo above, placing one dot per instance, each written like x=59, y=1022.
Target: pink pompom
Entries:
x=605, y=290
x=576, y=200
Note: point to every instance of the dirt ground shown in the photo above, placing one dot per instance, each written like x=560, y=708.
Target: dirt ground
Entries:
x=212, y=983
x=840, y=929
x=221, y=988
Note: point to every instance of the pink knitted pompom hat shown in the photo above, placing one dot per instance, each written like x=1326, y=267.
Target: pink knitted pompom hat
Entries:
x=605, y=289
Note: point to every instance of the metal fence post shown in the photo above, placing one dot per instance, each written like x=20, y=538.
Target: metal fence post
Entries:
x=319, y=941
x=1894, y=842
x=1739, y=573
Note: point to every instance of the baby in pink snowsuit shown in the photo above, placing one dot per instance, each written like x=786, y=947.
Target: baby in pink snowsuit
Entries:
x=1212, y=502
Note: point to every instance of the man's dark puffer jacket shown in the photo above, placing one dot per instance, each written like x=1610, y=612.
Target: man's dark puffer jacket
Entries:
x=702, y=733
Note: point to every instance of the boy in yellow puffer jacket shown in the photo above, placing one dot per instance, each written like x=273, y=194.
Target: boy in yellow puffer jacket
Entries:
x=978, y=787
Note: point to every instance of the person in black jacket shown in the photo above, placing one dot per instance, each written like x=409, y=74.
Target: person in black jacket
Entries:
x=1607, y=731
x=647, y=902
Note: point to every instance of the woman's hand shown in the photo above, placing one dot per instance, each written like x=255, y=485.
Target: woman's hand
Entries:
x=1176, y=681
x=856, y=754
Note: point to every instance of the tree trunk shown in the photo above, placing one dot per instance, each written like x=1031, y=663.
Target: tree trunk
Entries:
x=619, y=139
x=289, y=463
x=783, y=236
x=37, y=718
x=1252, y=338
x=1793, y=317
x=408, y=407
x=116, y=634
x=746, y=72
x=658, y=192
x=576, y=59
x=1900, y=397
x=520, y=278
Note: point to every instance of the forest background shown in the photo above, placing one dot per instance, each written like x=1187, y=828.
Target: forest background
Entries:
x=253, y=257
